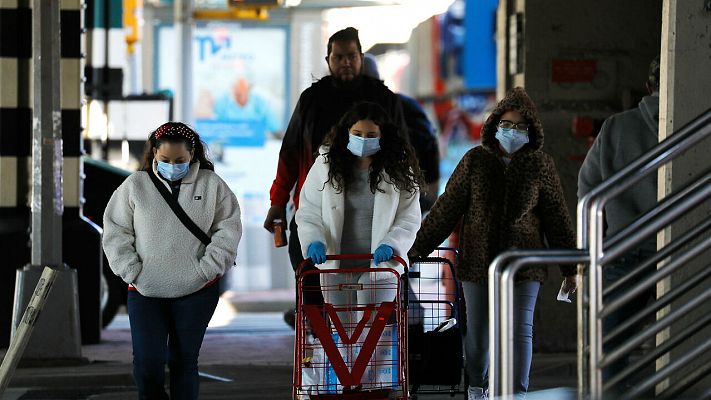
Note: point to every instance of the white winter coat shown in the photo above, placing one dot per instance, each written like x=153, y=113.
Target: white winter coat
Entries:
x=396, y=216
x=148, y=246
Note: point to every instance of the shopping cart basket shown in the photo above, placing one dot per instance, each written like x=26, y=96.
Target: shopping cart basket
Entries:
x=436, y=358
x=354, y=345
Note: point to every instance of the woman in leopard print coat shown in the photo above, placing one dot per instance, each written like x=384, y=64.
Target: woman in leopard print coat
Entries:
x=508, y=195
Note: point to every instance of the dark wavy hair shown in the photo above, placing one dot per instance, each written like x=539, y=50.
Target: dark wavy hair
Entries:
x=349, y=34
x=199, y=146
x=396, y=156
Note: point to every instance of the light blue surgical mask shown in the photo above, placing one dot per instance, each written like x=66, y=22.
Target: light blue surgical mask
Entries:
x=173, y=172
x=511, y=140
x=363, y=147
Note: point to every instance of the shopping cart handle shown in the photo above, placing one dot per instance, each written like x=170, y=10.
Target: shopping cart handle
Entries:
x=364, y=256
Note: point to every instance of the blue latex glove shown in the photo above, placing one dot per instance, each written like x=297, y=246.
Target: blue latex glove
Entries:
x=382, y=253
x=317, y=252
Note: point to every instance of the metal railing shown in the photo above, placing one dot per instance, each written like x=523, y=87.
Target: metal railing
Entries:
x=597, y=252
x=501, y=298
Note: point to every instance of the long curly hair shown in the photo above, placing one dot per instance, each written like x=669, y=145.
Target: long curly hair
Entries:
x=176, y=132
x=396, y=156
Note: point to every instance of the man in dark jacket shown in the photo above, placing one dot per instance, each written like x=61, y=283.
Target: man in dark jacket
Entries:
x=623, y=138
x=318, y=109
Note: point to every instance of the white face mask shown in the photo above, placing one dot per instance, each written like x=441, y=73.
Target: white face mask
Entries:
x=363, y=147
x=510, y=139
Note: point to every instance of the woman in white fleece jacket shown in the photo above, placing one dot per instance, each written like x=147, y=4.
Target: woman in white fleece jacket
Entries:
x=172, y=275
x=361, y=196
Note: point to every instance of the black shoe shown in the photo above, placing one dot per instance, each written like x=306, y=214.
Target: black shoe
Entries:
x=290, y=317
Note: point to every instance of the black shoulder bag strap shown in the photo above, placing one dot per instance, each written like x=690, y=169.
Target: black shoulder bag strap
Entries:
x=179, y=212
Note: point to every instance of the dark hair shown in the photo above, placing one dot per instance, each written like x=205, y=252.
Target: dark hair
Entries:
x=176, y=132
x=349, y=34
x=396, y=156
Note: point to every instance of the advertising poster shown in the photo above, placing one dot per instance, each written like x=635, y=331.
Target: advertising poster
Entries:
x=240, y=101
x=239, y=83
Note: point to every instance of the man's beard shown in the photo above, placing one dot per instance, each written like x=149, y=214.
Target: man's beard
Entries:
x=346, y=84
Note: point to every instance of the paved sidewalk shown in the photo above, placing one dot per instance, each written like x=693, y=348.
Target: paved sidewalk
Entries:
x=244, y=356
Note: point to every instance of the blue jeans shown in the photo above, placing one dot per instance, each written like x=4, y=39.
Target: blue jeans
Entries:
x=169, y=330
x=476, y=340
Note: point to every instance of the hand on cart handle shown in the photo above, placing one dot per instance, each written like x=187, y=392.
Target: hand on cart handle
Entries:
x=317, y=252
x=382, y=253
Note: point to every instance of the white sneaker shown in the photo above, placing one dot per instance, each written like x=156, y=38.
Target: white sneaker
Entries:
x=476, y=393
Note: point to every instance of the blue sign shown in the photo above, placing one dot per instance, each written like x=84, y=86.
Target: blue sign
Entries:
x=249, y=133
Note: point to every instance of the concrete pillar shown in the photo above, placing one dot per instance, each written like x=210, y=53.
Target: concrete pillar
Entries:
x=57, y=333
x=684, y=94
x=183, y=23
x=16, y=108
x=105, y=49
x=105, y=63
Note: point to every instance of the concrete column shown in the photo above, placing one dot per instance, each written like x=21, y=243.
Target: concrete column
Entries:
x=684, y=94
x=57, y=334
x=183, y=23
x=16, y=106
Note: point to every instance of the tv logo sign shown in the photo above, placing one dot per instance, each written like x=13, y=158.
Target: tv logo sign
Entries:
x=209, y=45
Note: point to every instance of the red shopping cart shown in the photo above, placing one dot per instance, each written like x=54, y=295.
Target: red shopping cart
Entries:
x=354, y=344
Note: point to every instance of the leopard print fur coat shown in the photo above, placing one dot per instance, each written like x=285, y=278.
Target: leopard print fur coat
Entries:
x=519, y=205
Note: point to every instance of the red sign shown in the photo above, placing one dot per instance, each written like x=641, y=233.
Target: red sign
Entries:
x=573, y=71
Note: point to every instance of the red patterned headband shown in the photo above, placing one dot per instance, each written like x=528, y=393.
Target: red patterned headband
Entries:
x=175, y=130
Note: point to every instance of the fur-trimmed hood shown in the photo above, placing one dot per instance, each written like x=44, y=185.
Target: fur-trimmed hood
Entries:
x=516, y=99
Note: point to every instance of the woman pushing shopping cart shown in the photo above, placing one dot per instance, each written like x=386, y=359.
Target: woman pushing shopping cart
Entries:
x=361, y=196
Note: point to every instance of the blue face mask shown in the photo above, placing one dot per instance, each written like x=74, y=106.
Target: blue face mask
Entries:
x=363, y=147
x=511, y=140
x=173, y=172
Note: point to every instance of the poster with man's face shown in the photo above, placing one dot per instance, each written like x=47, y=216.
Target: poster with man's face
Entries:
x=239, y=83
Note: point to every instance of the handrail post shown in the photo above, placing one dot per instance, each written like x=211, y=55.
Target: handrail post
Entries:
x=595, y=296
x=582, y=303
x=495, y=361
x=507, y=330
x=501, y=297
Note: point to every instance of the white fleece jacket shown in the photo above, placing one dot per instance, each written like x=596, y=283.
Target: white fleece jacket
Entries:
x=396, y=216
x=148, y=246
